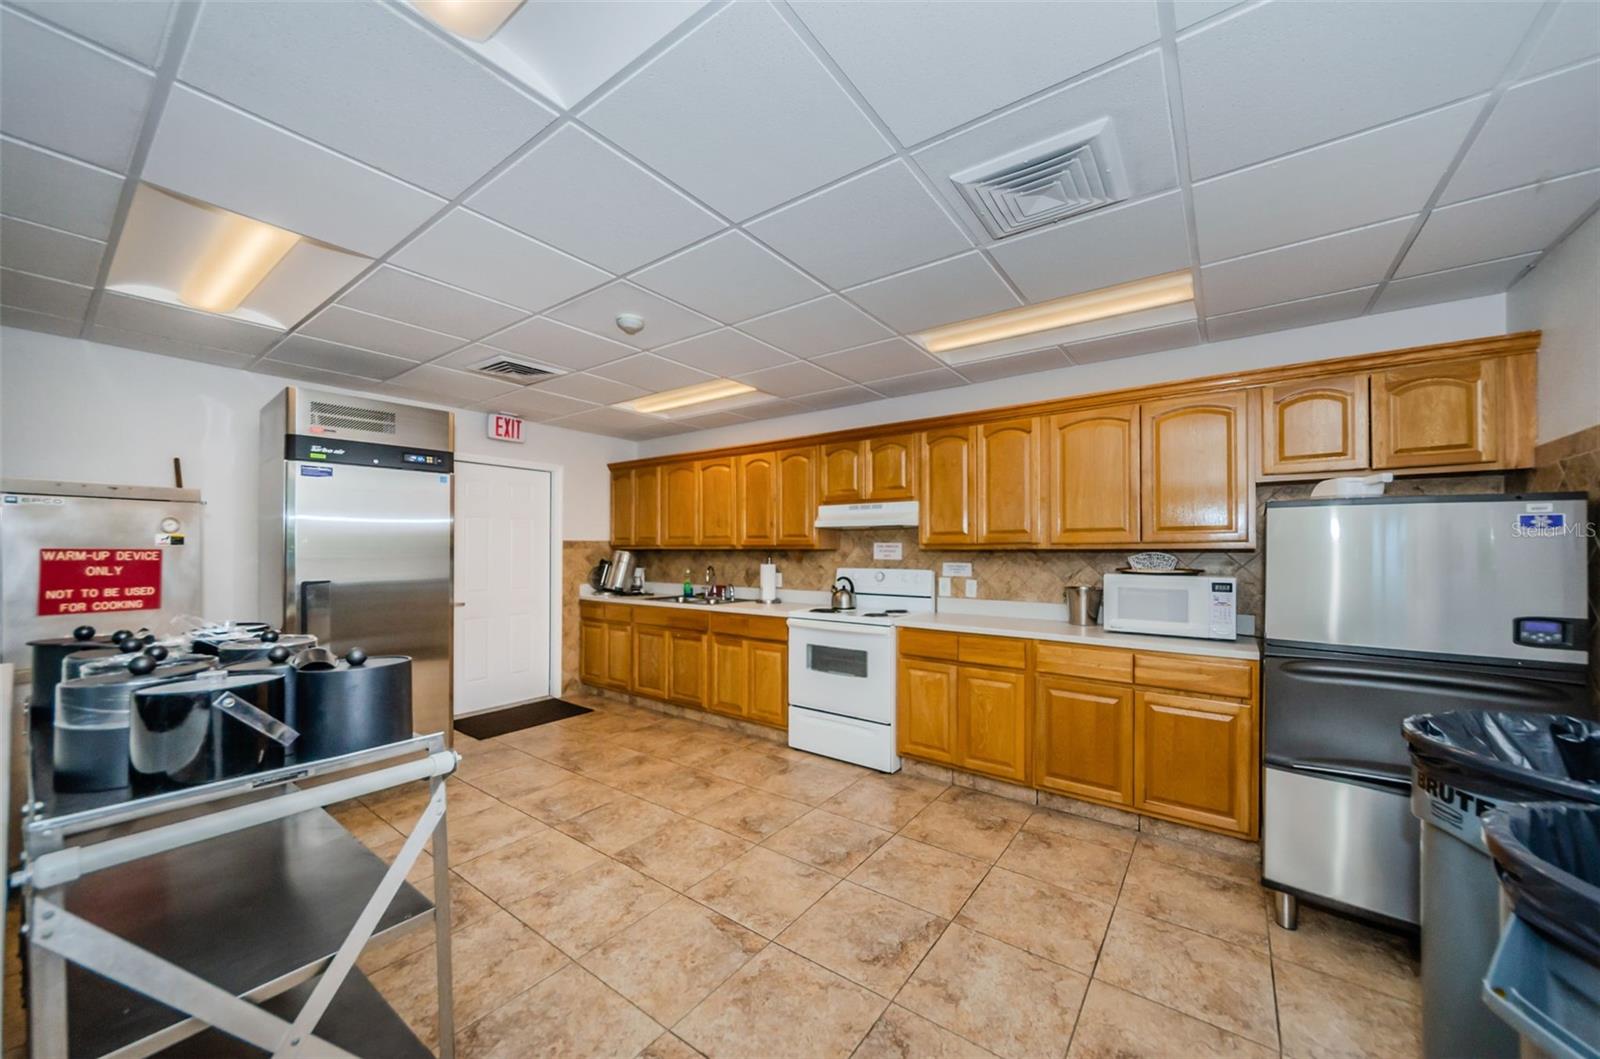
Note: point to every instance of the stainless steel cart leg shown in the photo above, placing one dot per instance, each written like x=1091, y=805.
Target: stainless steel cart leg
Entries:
x=441, y=927
x=1285, y=910
x=47, y=981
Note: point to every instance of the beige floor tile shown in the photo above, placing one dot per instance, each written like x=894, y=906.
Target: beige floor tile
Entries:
x=871, y=939
x=1229, y=986
x=1091, y=868
x=1352, y=951
x=370, y=829
x=763, y=890
x=673, y=958
x=570, y=1015
x=903, y=1034
x=617, y=824
x=1116, y=1024
x=484, y=832
x=779, y=1002
x=888, y=802
x=1195, y=858
x=933, y=879
x=682, y=852
x=635, y=773
x=485, y=762
x=752, y=814
x=589, y=906
x=655, y=740
x=703, y=746
x=1322, y=1017
x=401, y=806
x=543, y=740
x=1224, y=909
x=668, y=1046
x=468, y=905
x=1225, y=845
x=565, y=800
x=532, y=775
x=749, y=766
x=687, y=791
x=809, y=781
x=968, y=822
x=518, y=871
x=1046, y=920
x=995, y=995
x=835, y=844
x=1074, y=826
x=491, y=961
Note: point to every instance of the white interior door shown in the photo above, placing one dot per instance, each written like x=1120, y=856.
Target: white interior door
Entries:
x=503, y=585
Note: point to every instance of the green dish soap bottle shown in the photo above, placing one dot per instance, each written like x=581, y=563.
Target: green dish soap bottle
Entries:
x=688, y=585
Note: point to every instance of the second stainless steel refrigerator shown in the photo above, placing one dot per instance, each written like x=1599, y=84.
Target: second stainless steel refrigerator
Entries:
x=356, y=532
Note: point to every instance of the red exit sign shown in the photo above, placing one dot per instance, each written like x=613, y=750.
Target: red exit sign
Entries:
x=504, y=427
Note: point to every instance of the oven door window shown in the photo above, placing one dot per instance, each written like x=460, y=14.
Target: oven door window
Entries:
x=837, y=661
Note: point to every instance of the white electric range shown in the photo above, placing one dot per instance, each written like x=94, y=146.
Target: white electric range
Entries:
x=842, y=668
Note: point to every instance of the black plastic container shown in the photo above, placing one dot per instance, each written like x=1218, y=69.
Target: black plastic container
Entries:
x=89, y=735
x=48, y=656
x=351, y=704
x=200, y=731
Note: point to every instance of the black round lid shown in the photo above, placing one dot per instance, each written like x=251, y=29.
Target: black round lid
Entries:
x=367, y=662
x=234, y=680
x=121, y=675
x=70, y=641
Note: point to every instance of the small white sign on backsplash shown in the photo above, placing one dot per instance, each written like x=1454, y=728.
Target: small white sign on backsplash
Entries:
x=887, y=550
x=956, y=570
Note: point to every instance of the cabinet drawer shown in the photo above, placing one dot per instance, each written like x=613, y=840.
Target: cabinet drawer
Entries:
x=925, y=643
x=661, y=617
x=751, y=628
x=1002, y=651
x=1092, y=663
x=592, y=611
x=1208, y=676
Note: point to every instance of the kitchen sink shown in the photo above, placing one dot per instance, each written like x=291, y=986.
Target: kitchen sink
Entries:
x=693, y=601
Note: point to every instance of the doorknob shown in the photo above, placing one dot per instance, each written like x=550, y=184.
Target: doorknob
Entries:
x=459, y=603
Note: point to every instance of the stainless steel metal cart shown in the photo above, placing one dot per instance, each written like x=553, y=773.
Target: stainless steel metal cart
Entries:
x=226, y=916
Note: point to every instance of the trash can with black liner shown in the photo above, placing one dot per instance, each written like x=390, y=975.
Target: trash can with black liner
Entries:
x=1463, y=764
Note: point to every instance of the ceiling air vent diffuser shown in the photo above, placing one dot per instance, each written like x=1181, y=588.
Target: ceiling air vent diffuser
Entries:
x=1059, y=177
x=514, y=370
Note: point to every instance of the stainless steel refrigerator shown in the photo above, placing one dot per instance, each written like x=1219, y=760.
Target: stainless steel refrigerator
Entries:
x=357, y=532
x=1381, y=608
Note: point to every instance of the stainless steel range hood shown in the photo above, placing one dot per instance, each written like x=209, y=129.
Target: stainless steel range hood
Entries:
x=848, y=516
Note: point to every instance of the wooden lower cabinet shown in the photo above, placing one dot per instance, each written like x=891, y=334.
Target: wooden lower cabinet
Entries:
x=730, y=677
x=927, y=709
x=992, y=722
x=686, y=668
x=650, y=660
x=768, y=664
x=592, y=652
x=1083, y=739
x=1195, y=760
x=619, y=655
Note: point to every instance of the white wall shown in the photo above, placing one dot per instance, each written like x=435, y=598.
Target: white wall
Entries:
x=1561, y=296
x=73, y=410
x=1451, y=321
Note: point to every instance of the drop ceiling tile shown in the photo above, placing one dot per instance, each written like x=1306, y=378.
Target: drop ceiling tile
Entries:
x=711, y=420
x=1133, y=95
x=888, y=359
x=823, y=233
x=1256, y=84
x=401, y=91
x=1135, y=343
x=1540, y=129
x=1572, y=34
x=921, y=382
x=731, y=278
x=1361, y=180
x=586, y=387
x=773, y=409
x=664, y=322
x=1302, y=313
x=651, y=372
x=169, y=347
x=49, y=252
x=454, y=388
x=131, y=29
x=347, y=326
x=1502, y=225
x=1018, y=364
x=579, y=195
x=845, y=395
x=1491, y=277
x=50, y=189
x=944, y=292
x=315, y=376
x=534, y=402
x=68, y=97
x=330, y=356
x=793, y=380
x=1187, y=12
x=413, y=299
x=550, y=342
x=1317, y=266
x=613, y=422
x=929, y=67
x=1110, y=246
x=478, y=255
x=724, y=353
x=813, y=328
x=41, y=294
x=740, y=114
x=28, y=320
x=187, y=325
x=209, y=151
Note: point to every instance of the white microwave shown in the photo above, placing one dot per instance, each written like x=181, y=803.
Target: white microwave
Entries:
x=1172, y=605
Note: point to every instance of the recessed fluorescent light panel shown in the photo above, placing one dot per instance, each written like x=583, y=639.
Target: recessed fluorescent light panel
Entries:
x=473, y=19
x=702, y=398
x=1134, y=306
x=184, y=252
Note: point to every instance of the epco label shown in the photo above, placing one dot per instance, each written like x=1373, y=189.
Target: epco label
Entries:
x=504, y=427
x=98, y=580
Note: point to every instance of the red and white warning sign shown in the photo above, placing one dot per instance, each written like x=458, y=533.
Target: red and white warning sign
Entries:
x=98, y=580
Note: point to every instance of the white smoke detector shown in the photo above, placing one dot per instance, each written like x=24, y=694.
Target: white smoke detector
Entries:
x=630, y=323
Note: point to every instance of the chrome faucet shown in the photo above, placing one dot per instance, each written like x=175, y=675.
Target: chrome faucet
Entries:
x=711, y=580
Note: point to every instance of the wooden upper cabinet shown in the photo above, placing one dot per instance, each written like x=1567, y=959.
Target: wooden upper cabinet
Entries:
x=647, y=506
x=1092, y=495
x=795, y=519
x=680, y=505
x=1083, y=739
x=992, y=722
x=1314, y=427
x=891, y=468
x=948, y=457
x=1196, y=760
x=1196, y=484
x=719, y=501
x=1007, y=482
x=758, y=500
x=1437, y=414
x=844, y=472
x=622, y=509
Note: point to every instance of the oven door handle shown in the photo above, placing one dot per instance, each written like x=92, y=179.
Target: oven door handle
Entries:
x=842, y=627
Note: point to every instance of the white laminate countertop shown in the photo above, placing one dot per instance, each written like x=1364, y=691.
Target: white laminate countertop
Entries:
x=1245, y=647
x=742, y=606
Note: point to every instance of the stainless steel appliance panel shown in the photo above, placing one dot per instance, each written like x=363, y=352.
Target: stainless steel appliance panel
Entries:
x=1442, y=576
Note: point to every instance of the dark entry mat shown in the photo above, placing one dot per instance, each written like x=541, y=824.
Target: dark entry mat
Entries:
x=515, y=718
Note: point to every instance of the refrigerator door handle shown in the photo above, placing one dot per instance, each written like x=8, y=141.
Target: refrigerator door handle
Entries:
x=1376, y=775
x=1376, y=673
x=316, y=610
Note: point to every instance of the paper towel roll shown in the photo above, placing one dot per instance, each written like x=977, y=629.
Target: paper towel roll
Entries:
x=769, y=583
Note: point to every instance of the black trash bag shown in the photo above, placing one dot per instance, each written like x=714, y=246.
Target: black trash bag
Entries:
x=1547, y=855
x=1513, y=756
